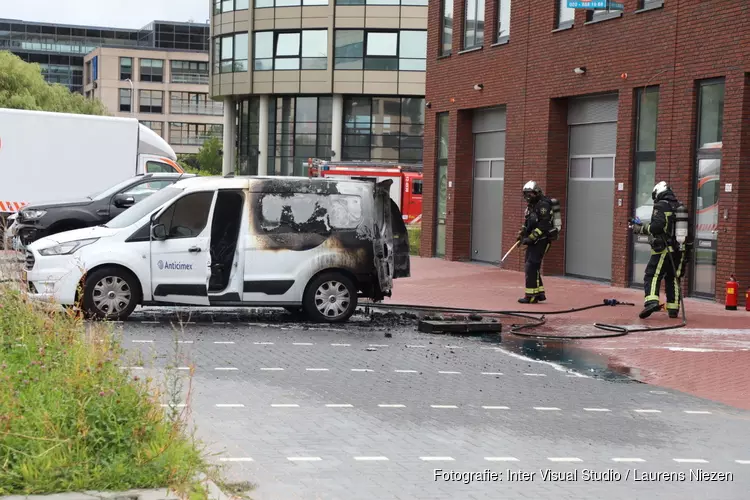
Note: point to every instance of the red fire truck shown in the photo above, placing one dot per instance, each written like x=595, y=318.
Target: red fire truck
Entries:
x=406, y=189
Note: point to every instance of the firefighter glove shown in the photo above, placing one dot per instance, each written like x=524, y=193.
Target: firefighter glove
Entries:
x=521, y=232
x=637, y=228
x=527, y=241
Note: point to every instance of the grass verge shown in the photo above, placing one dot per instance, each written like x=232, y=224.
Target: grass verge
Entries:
x=72, y=420
x=415, y=234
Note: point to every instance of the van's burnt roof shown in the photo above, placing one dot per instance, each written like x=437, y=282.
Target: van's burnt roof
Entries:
x=273, y=184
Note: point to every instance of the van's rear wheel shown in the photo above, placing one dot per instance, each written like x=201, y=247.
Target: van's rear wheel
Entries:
x=110, y=294
x=330, y=298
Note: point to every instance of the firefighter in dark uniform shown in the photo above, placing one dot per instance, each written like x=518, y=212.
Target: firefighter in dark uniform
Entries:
x=661, y=233
x=536, y=235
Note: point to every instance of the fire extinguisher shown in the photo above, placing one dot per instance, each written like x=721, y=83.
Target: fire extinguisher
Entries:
x=730, y=303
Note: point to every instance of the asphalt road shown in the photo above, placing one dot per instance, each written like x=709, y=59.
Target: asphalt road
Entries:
x=372, y=410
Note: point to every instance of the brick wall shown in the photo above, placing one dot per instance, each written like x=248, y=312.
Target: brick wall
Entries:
x=532, y=75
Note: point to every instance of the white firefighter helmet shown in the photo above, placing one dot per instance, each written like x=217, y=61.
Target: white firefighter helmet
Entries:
x=531, y=191
x=659, y=189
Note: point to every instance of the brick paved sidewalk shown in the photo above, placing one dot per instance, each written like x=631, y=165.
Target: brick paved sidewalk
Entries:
x=709, y=358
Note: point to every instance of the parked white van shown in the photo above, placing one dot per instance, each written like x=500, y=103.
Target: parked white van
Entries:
x=299, y=243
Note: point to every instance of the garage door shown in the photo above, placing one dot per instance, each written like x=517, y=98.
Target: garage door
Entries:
x=488, y=126
x=591, y=184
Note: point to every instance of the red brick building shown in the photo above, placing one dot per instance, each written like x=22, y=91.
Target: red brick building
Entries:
x=596, y=106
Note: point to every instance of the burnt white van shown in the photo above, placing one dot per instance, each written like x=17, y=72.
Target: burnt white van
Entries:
x=299, y=243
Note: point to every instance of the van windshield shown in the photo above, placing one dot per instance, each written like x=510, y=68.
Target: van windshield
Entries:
x=143, y=208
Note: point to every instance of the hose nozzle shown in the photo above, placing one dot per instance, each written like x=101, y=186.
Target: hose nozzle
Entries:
x=611, y=302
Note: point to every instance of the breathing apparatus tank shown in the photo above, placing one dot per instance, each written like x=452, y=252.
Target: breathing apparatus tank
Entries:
x=556, y=218
x=681, y=225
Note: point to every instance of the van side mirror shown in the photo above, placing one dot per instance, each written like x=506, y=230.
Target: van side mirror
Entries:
x=124, y=201
x=159, y=232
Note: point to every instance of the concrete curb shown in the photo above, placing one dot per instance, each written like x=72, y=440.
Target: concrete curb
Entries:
x=214, y=493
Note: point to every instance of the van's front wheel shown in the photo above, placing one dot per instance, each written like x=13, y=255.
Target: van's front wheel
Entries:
x=111, y=294
x=330, y=298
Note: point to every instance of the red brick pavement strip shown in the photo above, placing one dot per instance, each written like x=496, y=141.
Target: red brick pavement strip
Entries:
x=709, y=358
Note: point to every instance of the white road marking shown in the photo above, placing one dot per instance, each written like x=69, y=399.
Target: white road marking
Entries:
x=743, y=462
x=596, y=409
x=340, y=345
x=236, y=459
x=284, y=405
x=453, y=347
x=304, y=459
x=317, y=369
x=496, y=407
x=226, y=368
x=406, y=371
x=391, y=406
x=142, y=341
x=556, y=366
x=361, y=370
x=150, y=322
x=184, y=341
x=564, y=459
x=501, y=459
x=183, y=368
x=263, y=343
x=272, y=369
x=416, y=346
x=173, y=406
x=491, y=373
x=443, y=406
x=435, y=459
x=230, y=405
x=690, y=460
x=339, y=405
x=698, y=412
x=378, y=345
x=450, y=373
x=695, y=349
x=628, y=460
x=535, y=374
x=490, y=348
x=223, y=342
x=370, y=459
x=647, y=411
x=302, y=343
x=546, y=408
x=131, y=368
x=658, y=392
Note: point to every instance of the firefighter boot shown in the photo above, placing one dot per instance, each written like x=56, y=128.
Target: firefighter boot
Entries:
x=541, y=297
x=528, y=299
x=649, y=308
x=674, y=313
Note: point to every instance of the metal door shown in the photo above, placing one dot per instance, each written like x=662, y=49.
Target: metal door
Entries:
x=488, y=126
x=591, y=184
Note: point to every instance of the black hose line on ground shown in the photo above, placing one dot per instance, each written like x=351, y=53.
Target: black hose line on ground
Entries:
x=535, y=321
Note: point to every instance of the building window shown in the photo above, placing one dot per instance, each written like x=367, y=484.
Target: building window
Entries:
x=248, y=135
x=189, y=72
x=404, y=50
x=441, y=183
x=299, y=129
x=601, y=14
x=381, y=2
x=157, y=127
x=89, y=72
x=151, y=101
x=647, y=105
x=221, y=6
x=126, y=68
x=707, y=187
x=291, y=50
x=193, y=134
x=565, y=15
x=188, y=103
x=446, y=35
x=231, y=53
x=290, y=3
x=503, y=20
x=383, y=128
x=152, y=70
x=126, y=100
x=474, y=24
x=646, y=4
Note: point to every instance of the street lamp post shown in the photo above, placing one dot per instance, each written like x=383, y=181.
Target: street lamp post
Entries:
x=132, y=96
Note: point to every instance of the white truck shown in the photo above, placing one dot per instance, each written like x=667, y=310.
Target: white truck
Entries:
x=47, y=156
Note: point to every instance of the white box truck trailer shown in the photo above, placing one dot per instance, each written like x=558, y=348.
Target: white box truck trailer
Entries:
x=48, y=156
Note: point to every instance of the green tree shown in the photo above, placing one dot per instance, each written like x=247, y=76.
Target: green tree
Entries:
x=209, y=157
x=22, y=86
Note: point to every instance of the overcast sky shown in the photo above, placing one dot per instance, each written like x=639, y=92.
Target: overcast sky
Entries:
x=106, y=13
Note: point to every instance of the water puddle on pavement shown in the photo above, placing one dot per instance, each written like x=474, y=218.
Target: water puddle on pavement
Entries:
x=570, y=356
